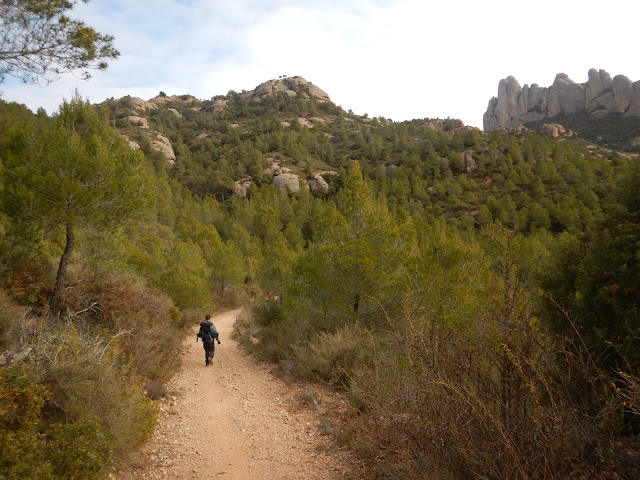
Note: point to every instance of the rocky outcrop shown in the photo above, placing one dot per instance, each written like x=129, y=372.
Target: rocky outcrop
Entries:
x=137, y=121
x=469, y=162
x=288, y=182
x=288, y=88
x=241, y=187
x=554, y=130
x=283, y=179
x=275, y=168
x=159, y=142
x=136, y=103
x=599, y=96
x=450, y=125
x=132, y=144
x=162, y=99
x=220, y=104
x=163, y=145
x=317, y=184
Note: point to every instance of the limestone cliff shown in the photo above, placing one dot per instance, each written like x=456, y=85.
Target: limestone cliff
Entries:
x=599, y=96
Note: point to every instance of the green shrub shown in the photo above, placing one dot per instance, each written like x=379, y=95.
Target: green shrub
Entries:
x=333, y=357
x=268, y=334
x=74, y=408
x=150, y=328
x=32, y=445
x=78, y=451
x=268, y=312
x=89, y=382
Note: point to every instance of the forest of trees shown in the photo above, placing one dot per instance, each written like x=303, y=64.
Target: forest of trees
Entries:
x=475, y=295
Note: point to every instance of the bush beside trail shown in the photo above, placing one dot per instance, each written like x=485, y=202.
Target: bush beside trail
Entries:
x=77, y=390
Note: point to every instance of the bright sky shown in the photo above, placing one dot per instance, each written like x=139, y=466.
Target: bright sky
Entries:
x=399, y=59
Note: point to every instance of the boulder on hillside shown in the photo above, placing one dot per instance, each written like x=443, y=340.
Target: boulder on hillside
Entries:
x=275, y=168
x=163, y=145
x=288, y=182
x=450, y=125
x=553, y=130
x=162, y=99
x=219, y=105
x=136, y=103
x=317, y=184
x=137, y=121
x=241, y=186
x=132, y=144
x=469, y=162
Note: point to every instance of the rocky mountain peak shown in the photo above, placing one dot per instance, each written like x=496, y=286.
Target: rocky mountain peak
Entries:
x=288, y=87
x=599, y=96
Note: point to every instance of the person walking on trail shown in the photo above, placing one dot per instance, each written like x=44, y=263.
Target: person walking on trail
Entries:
x=208, y=334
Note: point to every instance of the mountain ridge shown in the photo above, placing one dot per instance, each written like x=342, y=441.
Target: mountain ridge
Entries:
x=600, y=96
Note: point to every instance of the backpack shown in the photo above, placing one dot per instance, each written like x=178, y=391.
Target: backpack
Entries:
x=205, y=332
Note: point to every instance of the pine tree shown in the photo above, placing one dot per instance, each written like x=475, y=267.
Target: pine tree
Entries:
x=78, y=173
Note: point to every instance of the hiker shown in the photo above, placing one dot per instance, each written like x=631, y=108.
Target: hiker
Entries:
x=208, y=334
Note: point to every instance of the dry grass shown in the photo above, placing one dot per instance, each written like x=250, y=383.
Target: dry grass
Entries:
x=475, y=410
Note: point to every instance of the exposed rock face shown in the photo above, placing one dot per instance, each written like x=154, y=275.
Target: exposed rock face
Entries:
x=318, y=184
x=469, y=162
x=288, y=88
x=132, y=144
x=137, y=121
x=289, y=182
x=163, y=145
x=242, y=186
x=175, y=112
x=159, y=100
x=136, y=103
x=451, y=125
x=304, y=122
x=275, y=168
x=219, y=105
x=554, y=130
x=599, y=96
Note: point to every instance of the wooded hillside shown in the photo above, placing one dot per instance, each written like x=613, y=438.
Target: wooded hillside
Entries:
x=475, y=295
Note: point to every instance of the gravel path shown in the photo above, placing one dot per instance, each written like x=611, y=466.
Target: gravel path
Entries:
x=235, y=421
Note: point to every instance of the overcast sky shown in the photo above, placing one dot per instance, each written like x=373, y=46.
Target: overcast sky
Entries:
x=399, y=59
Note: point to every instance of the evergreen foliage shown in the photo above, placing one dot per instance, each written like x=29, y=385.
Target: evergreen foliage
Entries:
x=40, y=42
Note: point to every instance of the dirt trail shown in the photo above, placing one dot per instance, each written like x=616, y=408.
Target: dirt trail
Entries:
x=235, y=421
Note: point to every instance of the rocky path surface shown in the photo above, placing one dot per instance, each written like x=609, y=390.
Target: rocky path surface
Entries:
x=234, y=420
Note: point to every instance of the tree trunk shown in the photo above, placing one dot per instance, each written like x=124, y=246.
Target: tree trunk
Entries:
x=57, y=301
